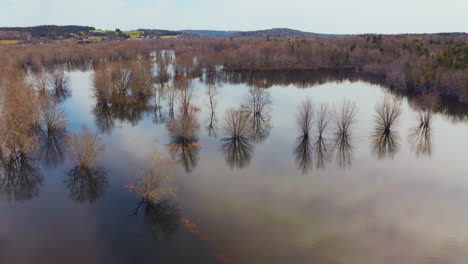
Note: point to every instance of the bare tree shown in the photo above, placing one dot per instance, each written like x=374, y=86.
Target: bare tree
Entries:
x=183, y=130
x=86, y=149
x=154, y=184
x=212, y=126
x=305, y=117
x=387, y=114
x=322, y=146
x=303, y=150
x=421, y=135
x=345, y=117
x=386, y=140
x=257, y=103
x=60, y=84
x=236, y=141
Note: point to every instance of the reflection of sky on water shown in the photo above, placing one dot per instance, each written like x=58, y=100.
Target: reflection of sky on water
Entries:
x=409, y=209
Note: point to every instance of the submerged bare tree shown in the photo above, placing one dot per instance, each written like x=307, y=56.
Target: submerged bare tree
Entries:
x=85, y=181
x=305, y=117
x=154, y=187
x=386, y=139
x=211, y=127
x=159, y=117
x=257, y=103
x=155, y=183
x=303, y=150
x=421, y=135
x=41, y=82
x=123, y=91
x=53, y=132
x=183, y=130
x=236, y=145
x=345, y=117
x=322, y=146
x=60, y=84
x=19, y=121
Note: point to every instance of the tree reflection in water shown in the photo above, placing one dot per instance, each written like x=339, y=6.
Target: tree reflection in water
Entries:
x=183, y=130
x=421, y=136
x=303, y=150
x=345, y=117
x=162, y=218
x=385, y=138
x=52, y=132
x=86, y=184
x=257, y=103
x=85, y=181
x=236, y=145
x=60, y=85
x=20, y=179
x=154, y=187
x=322, y=144
x=211, y=127
x=122, y=91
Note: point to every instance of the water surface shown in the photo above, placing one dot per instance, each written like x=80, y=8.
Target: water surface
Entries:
x=262, y=202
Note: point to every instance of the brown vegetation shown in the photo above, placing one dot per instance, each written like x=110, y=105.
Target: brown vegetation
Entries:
x=183, y=129
x=414, y=63
x=385, y=138
x=85, y=149
x=236, y=141
x=345, y=117
x=154, y=184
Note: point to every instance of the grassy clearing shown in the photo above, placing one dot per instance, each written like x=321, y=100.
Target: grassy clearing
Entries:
x=10, y=42
x=99, y=31
x=134, y=34
x=165, y=37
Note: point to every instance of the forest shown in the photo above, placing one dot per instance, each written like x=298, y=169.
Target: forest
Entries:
x=417, y=64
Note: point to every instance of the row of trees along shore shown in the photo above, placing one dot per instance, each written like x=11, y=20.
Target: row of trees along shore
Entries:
x=429, y=63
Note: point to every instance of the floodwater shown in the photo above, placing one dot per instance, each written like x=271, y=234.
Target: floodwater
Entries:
x=271, y=198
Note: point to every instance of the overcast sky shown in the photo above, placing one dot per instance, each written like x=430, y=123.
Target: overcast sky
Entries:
x=324, y=16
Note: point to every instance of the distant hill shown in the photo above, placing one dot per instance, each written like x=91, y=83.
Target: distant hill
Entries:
x=163, y=32
x=49, y=31
x=211, y=33
x=274, y=32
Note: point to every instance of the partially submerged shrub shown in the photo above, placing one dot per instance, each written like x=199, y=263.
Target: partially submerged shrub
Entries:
x=304, y=118
x=85, y=181
x=19, y=117
x=421, y=135
x=212, y=122
x=183, y=130
x=303, y=150
x=154, y=184
x=387, y=114
x=257, y=103
x=322, y=146
x=345, y=117
x=85, y=148
x=385, y=138
x=124, y=82
x=60, y=84
x=236, y=141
